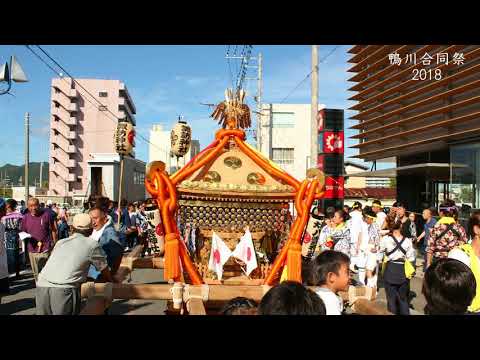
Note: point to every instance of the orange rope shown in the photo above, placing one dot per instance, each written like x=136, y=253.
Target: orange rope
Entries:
x=296, y=230
x=178, y=177
x=299, y=196
x=172, y=192
x=230, y=132
x=266, y=166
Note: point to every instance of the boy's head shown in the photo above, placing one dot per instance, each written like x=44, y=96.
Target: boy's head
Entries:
x=377, y=206
x=240, y=306
x=331, y=269
x=449, y=287
x=291, y=298
x=369, y=216
x=357, y=205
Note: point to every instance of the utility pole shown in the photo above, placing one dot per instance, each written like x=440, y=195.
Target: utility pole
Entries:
x=313, y=122
x=27, y=153
x=259, y=103
x=258, y=97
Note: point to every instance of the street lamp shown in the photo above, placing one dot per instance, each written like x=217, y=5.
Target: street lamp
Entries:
x=14, y=72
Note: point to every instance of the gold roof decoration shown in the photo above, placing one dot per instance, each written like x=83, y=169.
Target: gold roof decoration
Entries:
x=232, y=112
x=247, y=179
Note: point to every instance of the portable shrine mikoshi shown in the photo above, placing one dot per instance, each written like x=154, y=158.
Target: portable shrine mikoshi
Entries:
x=225, y=188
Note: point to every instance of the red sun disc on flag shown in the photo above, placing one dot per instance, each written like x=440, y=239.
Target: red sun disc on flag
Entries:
x=249, y=254
x=216, y=256
x=307, y=238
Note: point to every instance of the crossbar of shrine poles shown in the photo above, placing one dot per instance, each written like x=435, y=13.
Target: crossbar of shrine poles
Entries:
x=100, y=295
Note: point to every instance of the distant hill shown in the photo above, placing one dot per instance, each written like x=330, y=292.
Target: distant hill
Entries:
x=15, y=172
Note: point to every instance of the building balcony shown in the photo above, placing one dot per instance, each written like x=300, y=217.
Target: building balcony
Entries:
x=59, y=141
x=71, y=177
x=72, y=120
x=71, y=163
x=59, y=155
x=125, y=110
x=72, y=106
x=73, y=93
x=71, y=149
x=72, y=135
x=60, y=170
x=123, y=93
x=60, y=127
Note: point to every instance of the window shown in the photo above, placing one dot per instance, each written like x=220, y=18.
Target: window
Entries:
x=283, y=120
x=283, y=155
x=138, y=178
x=103, y=94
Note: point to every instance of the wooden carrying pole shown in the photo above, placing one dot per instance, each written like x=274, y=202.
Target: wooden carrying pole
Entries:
x=96, y=304
x=120, y=188
x=98, y=298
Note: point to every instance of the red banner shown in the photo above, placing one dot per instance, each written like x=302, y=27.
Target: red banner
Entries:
x=334, y=187
x=333, y=142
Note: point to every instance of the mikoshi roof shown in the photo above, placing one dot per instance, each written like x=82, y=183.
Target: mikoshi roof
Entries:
x=233, y=173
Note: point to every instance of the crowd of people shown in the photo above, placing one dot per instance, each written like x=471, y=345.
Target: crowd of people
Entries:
x=61, y=262
x=355, y=245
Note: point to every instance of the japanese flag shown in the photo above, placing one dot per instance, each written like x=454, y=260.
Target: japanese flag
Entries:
x=246, y=252
x=219, y=254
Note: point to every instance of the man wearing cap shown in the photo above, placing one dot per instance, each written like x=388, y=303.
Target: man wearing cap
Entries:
x=58, y=286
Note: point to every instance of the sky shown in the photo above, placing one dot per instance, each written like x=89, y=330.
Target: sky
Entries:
x=165, y=82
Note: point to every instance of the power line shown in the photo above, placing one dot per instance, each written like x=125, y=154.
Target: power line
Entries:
x=139, y=135
x=310, y=73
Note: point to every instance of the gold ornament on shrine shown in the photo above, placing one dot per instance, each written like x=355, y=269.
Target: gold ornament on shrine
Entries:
x=233, y=113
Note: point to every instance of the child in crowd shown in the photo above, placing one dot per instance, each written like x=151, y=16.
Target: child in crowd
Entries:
x=330, y=271
x=291, y=298
x=449, y=287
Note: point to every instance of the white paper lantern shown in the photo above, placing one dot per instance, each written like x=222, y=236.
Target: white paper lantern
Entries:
x=180, y=138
